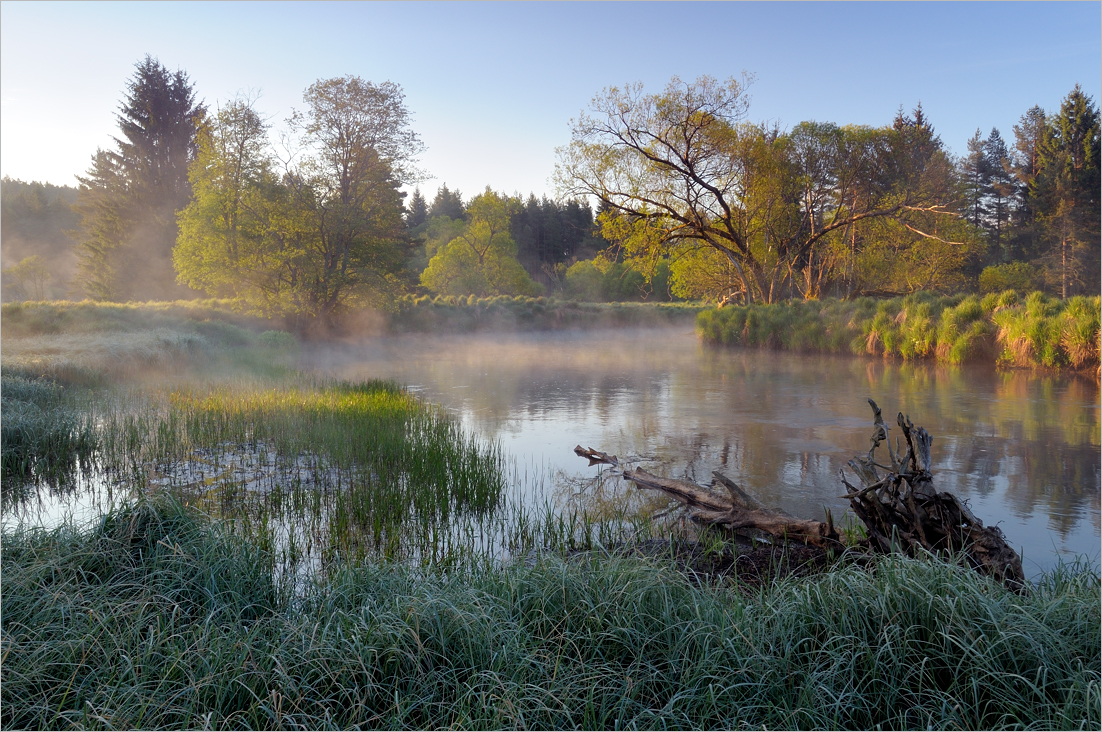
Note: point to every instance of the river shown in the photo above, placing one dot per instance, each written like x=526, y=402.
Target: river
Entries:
x=1021, y=448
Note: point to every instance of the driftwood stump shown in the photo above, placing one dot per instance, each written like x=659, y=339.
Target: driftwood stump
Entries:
x=901, y=510
x=734, y=509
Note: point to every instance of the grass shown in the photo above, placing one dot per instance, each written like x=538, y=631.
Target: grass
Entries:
x=1031, y=332
x=465, y=314
x=302, y=552
x=157, y=618
x=44, y=434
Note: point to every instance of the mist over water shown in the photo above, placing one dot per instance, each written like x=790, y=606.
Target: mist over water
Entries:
x=1021, y=448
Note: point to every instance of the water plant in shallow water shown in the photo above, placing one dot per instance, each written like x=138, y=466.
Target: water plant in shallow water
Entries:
x=353, y=468
x=44, y=434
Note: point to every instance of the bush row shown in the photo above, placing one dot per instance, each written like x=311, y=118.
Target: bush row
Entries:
x=1007, y=328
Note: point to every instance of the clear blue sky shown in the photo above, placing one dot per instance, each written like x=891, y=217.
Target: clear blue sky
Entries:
x=493, y=86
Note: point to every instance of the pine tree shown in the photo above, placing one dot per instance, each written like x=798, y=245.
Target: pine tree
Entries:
x=975, y=177
x=417, y=212
x=447, y=203
x=1026, y=159
x=1065, y=193
x=999, y=190
x=130, y=196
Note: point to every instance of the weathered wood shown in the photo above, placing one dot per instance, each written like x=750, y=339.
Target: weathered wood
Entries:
x=903, y=511
x=736, y=511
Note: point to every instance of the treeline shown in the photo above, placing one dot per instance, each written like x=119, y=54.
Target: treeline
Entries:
x=38, y=258
x=192, y=200
x=746, y=212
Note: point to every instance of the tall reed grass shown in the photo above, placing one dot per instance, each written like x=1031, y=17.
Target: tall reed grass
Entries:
x=1032, y=332
x=45, y=435
x=155, y=618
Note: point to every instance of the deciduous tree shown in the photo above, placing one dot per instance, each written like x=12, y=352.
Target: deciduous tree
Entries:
x=685, y=165
x=482, y=259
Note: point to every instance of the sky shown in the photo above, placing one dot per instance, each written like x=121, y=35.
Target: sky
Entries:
x=493, y=86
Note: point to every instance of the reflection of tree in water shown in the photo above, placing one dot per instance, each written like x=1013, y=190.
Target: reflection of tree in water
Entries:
x=1061, y=480
x=780, y=424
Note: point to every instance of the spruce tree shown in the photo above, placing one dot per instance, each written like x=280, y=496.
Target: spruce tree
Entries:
x=1065, y=194
x=999, y=189
x=417, y=212
x=447, y=203
x=130, y=196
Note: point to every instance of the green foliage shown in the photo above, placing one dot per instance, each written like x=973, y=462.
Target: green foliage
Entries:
x=1039, y=332
x=1048, y=332
x=603, y=281
x=34, y=221
x=29, y=279
x=744, y=211
x=1019, y=276
x=322, y=236
x=157, y=619
x=448, y=314
x=481, y=261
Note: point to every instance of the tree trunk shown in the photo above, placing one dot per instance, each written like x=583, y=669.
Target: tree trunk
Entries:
x=736, y=510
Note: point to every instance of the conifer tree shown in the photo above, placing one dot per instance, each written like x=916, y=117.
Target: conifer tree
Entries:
x=447, y=203
x=417, y=212
x=129, y=198
x=999, y=190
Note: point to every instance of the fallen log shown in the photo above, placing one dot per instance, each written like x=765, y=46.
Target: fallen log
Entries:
x=735, y=511
x=901, y=510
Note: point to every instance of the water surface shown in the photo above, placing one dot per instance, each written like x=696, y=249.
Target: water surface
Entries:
x=1022, y=449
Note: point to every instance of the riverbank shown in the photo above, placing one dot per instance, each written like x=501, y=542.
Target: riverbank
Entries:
x=471, y=314
x=1008, y=329
x=155, y=618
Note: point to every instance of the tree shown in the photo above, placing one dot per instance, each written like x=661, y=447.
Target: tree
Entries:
x=999, y=190
x=34, y=222
x=447, y=203
x=28, y=279
x=418, y=211
x=223, y=247
x=1066, y=193
x=683, y=168
x=326, y=233
x=974, y=175
x=129, y=198
x=482, y=260
x=1026, y=162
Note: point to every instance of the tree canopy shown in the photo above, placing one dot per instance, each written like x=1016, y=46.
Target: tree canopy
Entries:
x=481, y=260
x=308, y=236
x=682, y=171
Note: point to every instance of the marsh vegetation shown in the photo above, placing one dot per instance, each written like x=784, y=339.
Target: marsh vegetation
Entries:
x=272, y=548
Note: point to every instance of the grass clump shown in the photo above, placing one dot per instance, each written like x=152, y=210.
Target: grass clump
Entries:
x=155, y=618
x=323, y=469
x=1031, y=332
x=44, y=433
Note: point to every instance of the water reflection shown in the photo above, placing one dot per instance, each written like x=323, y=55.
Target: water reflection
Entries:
x=1022, y=448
